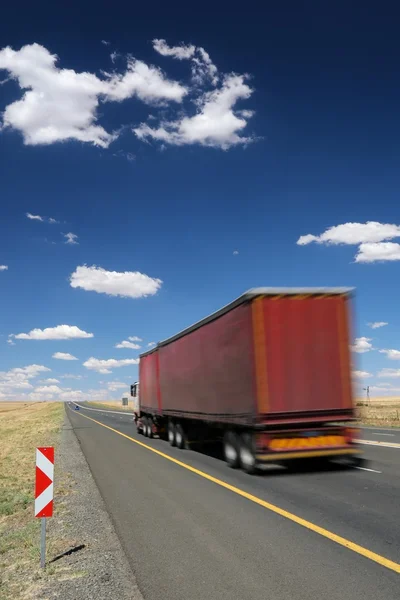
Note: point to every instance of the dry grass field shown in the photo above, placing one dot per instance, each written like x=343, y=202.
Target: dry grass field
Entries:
x=23, y=427
x=113, y=405
x=382, y=412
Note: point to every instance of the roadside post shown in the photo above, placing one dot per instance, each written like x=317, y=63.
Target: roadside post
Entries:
x=44, y=493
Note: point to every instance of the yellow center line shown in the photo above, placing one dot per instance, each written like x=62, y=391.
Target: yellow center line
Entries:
x=381, y=560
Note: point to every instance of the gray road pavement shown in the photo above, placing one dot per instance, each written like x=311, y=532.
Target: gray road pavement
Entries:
x=187, y=537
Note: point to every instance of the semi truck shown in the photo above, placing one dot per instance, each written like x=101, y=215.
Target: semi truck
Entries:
x=269, y=375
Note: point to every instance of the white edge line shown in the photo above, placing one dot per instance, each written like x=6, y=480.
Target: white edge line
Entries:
x=370, y=470
x=379, y=444
x=113, y=412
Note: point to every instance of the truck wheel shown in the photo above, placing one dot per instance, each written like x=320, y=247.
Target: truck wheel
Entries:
x=231, y=449
x=246, y=454
x=149, y=423
x=180, y=440
x=144, y=426
x=171, y=433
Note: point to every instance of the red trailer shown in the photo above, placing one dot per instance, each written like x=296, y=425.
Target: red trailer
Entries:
x=269, y=374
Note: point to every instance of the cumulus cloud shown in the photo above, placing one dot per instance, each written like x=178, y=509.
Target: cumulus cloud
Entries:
x=61, y=104
x=105, y=365
x=113, y=386
x=18, y=379
x=361, y=374
x=151, y=344
x=353, y=233
x=49, y=381
x=377, y=324
x=389, y=373
x=60, y=332
x=361, y=345
x=377, y=252
x=215, y=124
x=70, y=238
x=127, y=344
x=134, y=338
x=371, y=238
x=48, y=389
x=64, y=356
x=71, y=376
x=180, y=52
x=128, y=284
x=392, y=354
x=3, y=267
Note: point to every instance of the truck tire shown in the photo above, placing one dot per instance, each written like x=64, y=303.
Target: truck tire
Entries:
x=149, y=421
x=144, y=426
x=171, y=433
x=231, y=449
x=246, y=454
x=180, y=439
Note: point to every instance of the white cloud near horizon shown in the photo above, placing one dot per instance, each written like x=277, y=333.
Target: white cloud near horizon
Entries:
x=14, y=380
x=106, y=365
x=61, y=104
x=128, y=284
x=361, y=345
x=63, y=356
x=371, y=237
x=389, y=373
x=377, y=324
x=127, y=344
x=60, y=332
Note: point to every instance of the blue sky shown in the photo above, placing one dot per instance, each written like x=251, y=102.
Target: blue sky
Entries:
x=198, y=162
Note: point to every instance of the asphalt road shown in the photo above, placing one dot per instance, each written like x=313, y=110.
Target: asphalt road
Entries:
x=187, y=537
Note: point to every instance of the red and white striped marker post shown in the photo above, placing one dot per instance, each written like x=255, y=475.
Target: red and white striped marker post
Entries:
x=44, y=493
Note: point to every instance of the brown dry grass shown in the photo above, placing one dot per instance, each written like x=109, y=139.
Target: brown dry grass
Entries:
x=113, y=404
x=382, y=412
x=23, y=427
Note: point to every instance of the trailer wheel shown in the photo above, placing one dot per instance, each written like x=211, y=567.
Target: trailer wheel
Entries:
x=231, y=449
x=149, y=424
x=246, y=454
x=144, y=426
x=180, y=440
x=171, y=433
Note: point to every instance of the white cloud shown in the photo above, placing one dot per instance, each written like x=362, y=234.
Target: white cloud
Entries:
x=19, y=378
x=61, y=104
x=126, y=344
x=40, y=218
x=60, y=332
x=353, y=233
x=392, y=354
x=105, y=43
x=116, y=385
x=361, y=374
x=151, y=344
x=34, y=217
x=134, y=338
x=48, y=389
x=3, y=267
x=128, y=284
x=235, y=252
x=389, y=373
x=49, y=381
x=71, y=238
x=10, y=341
x=105, y=366
x=361, y=345
x=71, y=376
x=203, y=68
x=180, y=52
x=377, y=390
x=64, y=356
x=114, y=55
x=375, y=252
x=377, y=324
x=215, y=124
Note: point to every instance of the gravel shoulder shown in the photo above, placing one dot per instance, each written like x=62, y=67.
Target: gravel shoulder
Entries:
x=100, y=570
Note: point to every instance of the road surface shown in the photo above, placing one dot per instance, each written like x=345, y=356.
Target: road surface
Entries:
x=196, y=530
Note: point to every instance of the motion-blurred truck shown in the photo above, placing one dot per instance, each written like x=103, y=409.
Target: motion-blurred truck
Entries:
x=269, y=375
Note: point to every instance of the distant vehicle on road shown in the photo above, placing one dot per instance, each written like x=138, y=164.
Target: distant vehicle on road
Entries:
x=268, y=374
x=76, y=407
